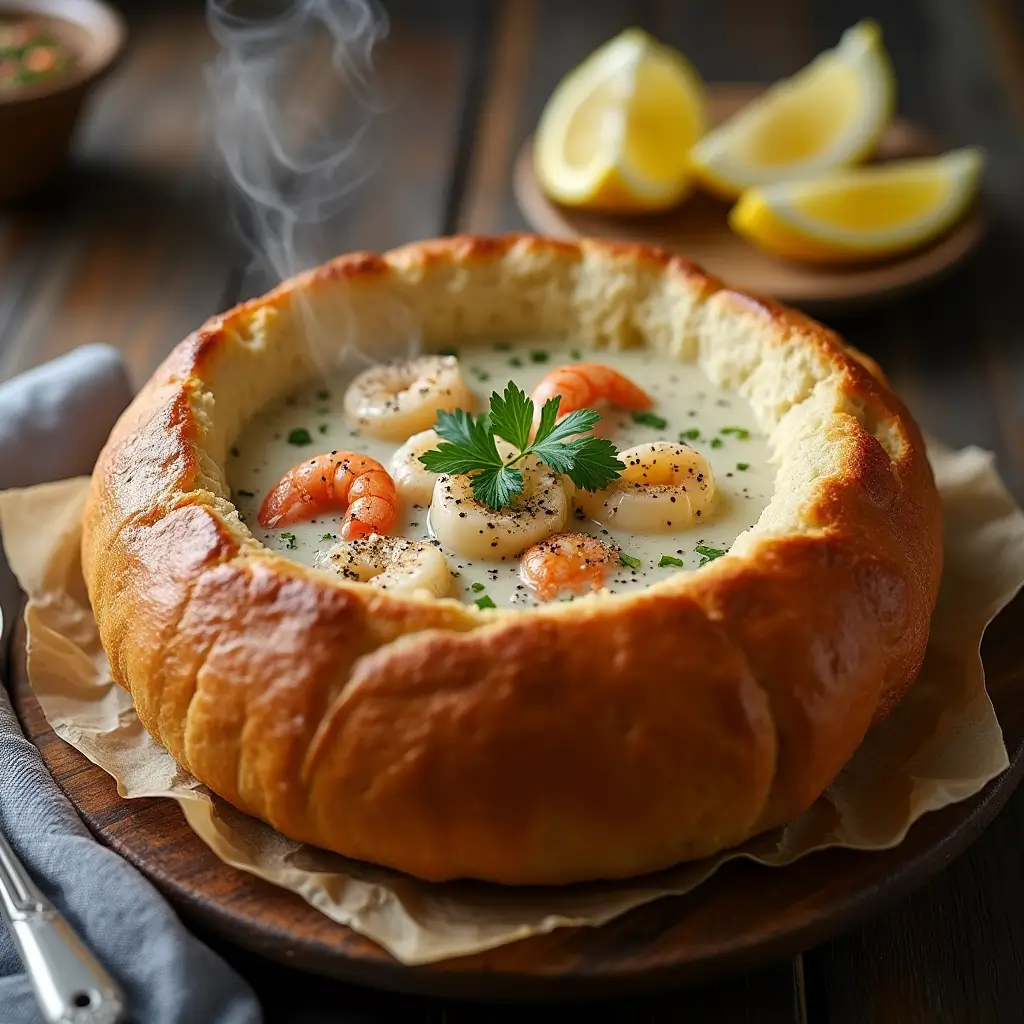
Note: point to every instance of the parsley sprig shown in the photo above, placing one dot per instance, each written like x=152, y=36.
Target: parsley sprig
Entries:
x=567, y=446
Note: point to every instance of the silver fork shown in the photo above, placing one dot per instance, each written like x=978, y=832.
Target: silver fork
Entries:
x=69, y=982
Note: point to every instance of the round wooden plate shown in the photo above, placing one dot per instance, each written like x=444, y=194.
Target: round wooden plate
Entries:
x=744, y=916
x=698, y=229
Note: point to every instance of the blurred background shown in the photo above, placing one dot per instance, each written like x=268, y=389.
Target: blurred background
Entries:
x=138, y=242
x=144, y=235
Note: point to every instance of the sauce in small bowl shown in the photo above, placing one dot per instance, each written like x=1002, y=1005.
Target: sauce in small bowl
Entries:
x=32, y=54
x=52, y=53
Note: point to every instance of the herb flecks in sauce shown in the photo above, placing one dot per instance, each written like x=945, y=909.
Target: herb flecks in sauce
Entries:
x=708, y=554
x=31, y=55
x=259, y=460
x=650, y=419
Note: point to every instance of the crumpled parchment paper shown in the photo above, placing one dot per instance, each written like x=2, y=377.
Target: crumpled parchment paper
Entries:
x=941, y=745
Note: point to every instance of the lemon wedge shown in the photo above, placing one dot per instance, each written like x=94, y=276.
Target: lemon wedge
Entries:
x=830, y=114
x=863, y=212
x=616, y=133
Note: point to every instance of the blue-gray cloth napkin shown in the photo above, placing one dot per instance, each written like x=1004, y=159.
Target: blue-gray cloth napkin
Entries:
x=53, y=422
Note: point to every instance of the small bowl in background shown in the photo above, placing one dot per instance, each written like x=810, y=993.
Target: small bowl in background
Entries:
x=37, y=121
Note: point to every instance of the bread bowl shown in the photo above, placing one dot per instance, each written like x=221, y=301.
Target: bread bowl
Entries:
x=606, y=737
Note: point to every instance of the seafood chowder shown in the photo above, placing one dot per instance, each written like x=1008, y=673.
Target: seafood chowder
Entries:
x=334, y=475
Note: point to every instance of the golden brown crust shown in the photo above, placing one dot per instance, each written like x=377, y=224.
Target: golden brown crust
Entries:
x=601, y=739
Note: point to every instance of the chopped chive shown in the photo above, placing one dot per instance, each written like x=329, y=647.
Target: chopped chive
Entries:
x=650, y=419
x=690, y=435
x=300, y=436
x=289, y=541
x=447, y=352
x=322, y=428
x=501, y=346
x=538, y=355
x=669, y=560
x=476, y=587
x=740, y=433
x=743, y=466
x=629, y=561
x=716, y=442
x=327, y=536
x=484, y=602
x=515, y=361
x=575, y=353
x=246, y=494
x=708, y=554
x=479, y=374
x=323, y=395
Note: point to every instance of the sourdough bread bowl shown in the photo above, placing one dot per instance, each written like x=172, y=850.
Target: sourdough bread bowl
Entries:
x=603, y=738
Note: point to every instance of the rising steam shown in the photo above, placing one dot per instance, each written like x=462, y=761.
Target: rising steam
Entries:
x=293, y=99
x=296, y=115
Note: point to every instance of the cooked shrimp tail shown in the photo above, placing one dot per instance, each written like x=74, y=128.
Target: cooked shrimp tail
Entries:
x=567, y=563
x=585, y=385
x=334, y=481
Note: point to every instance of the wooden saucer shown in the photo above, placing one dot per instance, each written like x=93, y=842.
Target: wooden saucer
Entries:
x=697, y=229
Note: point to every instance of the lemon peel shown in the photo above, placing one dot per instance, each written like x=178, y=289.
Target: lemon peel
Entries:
x=616, y=133
x=861, y=213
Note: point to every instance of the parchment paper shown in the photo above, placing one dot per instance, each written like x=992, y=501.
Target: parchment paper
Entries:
x=942, y=744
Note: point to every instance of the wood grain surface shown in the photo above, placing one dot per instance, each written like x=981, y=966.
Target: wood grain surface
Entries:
x=133, y=247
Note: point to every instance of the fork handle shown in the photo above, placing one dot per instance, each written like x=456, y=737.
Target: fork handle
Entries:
x=71, y=985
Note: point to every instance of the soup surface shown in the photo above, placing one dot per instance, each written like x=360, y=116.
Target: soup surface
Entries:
x=31, y=54
x=687, y=407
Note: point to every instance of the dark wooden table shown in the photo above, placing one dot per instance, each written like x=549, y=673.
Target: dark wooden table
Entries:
x=134, y=248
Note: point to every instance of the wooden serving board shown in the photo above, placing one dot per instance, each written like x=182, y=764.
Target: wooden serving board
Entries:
x=744, y=916
x=698, y=229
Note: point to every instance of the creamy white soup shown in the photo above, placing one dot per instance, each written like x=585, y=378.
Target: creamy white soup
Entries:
x=686, y=407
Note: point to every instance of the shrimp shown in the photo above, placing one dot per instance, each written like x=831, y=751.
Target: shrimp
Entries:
x=414, y=481
x=584, y=385
x=394, y=400
x=409, y=568
x=471, y=529
x=334, y=480
x=665, y=486
x=573, y=562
